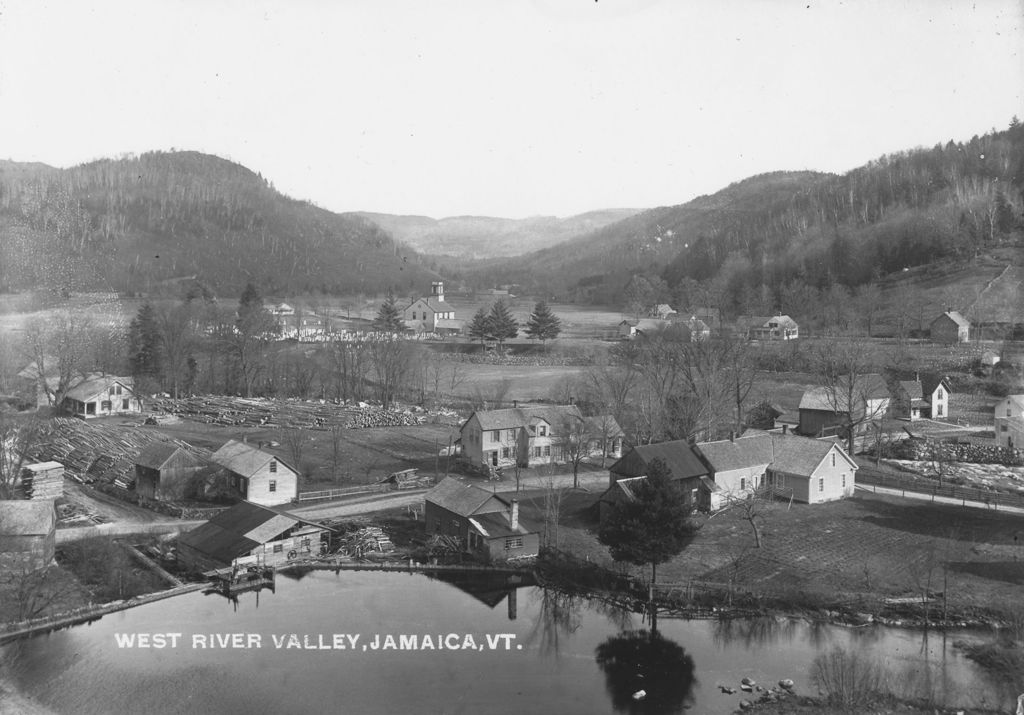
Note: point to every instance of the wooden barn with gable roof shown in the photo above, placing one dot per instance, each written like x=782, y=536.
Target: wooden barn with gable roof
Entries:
x=164, y=471
x=484, y=523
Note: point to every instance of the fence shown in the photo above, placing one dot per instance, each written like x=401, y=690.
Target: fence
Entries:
x=867, y=478
x=344, y=491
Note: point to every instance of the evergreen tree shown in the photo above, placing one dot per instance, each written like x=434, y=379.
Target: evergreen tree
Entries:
x=653, y=527
x=246, y=344
x=503, y=326
x=144, y=343
x=480, y=326
x=389, y=317
x=543, y=325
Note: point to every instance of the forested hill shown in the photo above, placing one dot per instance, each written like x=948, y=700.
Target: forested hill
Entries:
x=750, y=240
x=485, y=236
x=135, y=223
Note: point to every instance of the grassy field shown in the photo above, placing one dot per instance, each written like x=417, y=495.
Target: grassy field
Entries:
x=865, y=548
x=367, y=455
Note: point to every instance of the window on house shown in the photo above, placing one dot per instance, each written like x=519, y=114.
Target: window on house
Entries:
x=938, y=393
x=543, y=430
x=105, y=405
x=515, y=542
x=111, y=389
x=437, y=525
x=821, y=484
x=547, y=450
x=118, y=390
x=455, y=524
x=844, y=480
x=124, y=404
x=305, y=544
x=743, y=483
x=495, y=435
x=90, y=408
x=1008, y=412
x=833, y=459
x=504, y=452
x=536, y=451
x=278, y=548
x=273, y=466
x=510, y=434
x=1002, y=428
x=273, y=485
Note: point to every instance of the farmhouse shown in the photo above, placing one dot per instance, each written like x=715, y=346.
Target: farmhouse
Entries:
x=164, y=471
x=528, y=436
x=777, y=327
x=699, y=330
x=950, y=328
x=1009, y=421
x=806, y=470
x=664, y=311
x=102, y=396
x=423, y=314
x=687, y=471
x=251, y=534
x=928, y=398
x=257, y=476
x=827, y=410
x=27, y=534
x=485, y=524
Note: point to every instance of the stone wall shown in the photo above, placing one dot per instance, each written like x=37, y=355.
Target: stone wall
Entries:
x=923, y=449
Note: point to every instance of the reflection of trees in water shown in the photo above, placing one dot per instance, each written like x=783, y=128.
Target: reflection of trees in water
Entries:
x=767, y=630
x=645, y=660
x=557, y=617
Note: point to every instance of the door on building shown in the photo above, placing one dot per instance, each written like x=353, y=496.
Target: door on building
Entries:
x=494, y=458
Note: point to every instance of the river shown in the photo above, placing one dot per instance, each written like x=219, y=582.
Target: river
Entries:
x=480, y=647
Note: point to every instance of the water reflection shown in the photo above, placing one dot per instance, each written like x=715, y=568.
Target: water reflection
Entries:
x=558, y=617
x=642, y=660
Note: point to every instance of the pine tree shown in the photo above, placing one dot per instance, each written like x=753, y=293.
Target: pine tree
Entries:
x=144, y=343
x=480, y=326
x=503, y=325
x=543, y=325
x=389, y=318
x=652, y=528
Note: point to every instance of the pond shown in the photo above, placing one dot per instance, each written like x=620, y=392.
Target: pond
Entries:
x=320, y=643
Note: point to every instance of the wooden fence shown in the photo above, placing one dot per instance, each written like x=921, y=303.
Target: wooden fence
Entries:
x=868, y=478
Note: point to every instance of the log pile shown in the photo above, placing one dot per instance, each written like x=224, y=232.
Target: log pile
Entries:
x=287, y=414
x=101, y=453
x=370, y=539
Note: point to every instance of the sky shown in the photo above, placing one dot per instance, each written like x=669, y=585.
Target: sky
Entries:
x=508, y=108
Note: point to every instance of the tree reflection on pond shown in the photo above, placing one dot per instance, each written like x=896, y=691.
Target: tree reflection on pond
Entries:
x=645, y=660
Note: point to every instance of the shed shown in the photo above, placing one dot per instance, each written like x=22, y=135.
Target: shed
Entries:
x=164, y=471
x=483, y=523
x=27, y=534
x=686, y=467
x=251, y=534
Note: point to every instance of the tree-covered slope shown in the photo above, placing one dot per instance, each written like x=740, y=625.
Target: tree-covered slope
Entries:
x=130, y=223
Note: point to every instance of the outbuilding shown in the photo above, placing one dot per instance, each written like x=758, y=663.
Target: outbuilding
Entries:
x=27, y=534
x=484, y=523
x=164, y=471
x=951, y=328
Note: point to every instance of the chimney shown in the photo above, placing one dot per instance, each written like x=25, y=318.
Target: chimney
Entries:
x=514, y=514
x=572, y=400
x=515, y=403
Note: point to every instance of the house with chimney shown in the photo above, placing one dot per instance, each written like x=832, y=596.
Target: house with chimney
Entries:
x=256, y=475
x=919, y=398
x=530, y=436
x=425, y=315
x=102, y=396
x=484, y=524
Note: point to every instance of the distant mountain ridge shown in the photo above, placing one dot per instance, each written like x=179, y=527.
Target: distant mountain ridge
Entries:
x=481, y=237
x=133, y=223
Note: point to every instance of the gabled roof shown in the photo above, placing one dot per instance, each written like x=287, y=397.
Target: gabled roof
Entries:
x=522, y=416
x=930, y=383
x=243, y=459
x=677, y=454
x=432, y=303
x=238, y=530
x=157, y=454
x=912, y=388
x=603, y=426
x=762, y=321
x=497, y=524
x=459, y=498
x=802, y=455
x=87, y=389
x=829, y=399
x=20, y=517
x=752, y=449
x=955, y=316
x=1017, y=400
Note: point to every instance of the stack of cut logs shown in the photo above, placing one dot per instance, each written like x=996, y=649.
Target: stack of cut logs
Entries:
x=288, y=414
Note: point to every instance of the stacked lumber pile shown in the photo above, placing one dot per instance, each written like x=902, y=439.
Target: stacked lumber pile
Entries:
x=441, y=545
x=370, y=539
x=287, y=414
x=409, y=479
x=96, y=453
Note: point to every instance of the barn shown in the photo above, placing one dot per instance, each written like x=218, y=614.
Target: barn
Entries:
x=27, y=534
x=164, y=471
x=951, y=328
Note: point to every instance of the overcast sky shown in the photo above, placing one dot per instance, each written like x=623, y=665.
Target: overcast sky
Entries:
x=510, y=108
